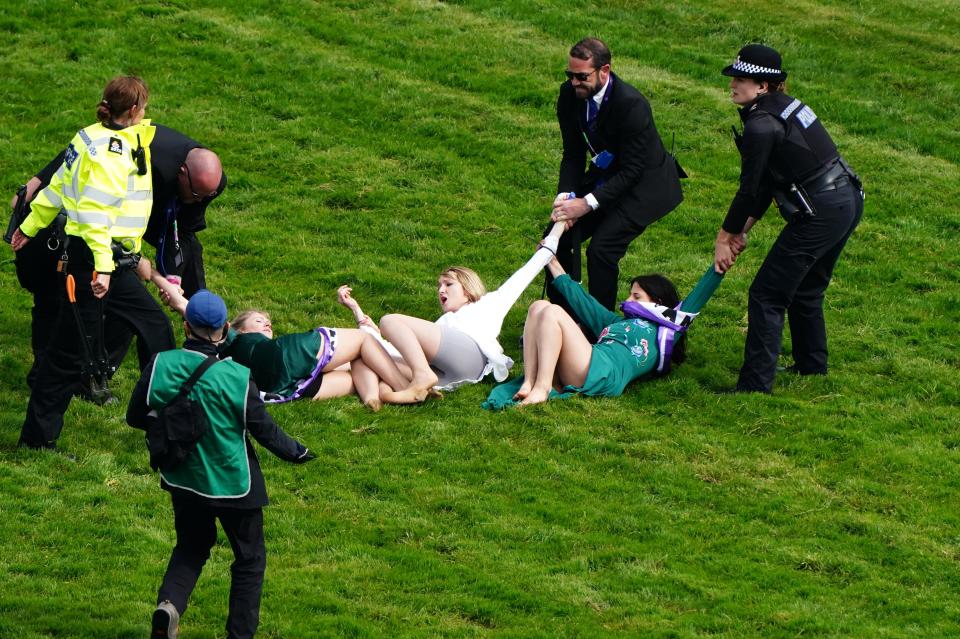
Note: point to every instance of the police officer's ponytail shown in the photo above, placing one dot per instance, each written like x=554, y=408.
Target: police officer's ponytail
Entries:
x=120, y=94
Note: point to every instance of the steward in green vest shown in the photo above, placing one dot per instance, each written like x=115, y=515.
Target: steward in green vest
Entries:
x=221, y=477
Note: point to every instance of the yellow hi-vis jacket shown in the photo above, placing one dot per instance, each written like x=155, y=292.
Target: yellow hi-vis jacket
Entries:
x=98, y=187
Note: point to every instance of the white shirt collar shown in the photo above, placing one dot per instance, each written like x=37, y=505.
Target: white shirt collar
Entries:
x=598, y=98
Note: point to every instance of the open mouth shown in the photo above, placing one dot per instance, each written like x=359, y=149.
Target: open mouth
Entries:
x=443, y=300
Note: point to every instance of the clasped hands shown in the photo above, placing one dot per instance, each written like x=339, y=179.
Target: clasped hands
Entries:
x=726, y=249
x=569, y=211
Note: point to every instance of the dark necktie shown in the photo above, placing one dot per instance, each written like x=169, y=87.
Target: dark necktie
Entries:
x=592, y=110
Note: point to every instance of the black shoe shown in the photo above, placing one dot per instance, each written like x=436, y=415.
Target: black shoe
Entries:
x=166, y=621
x=738, y=390
x=793, y=369
x=49, y=446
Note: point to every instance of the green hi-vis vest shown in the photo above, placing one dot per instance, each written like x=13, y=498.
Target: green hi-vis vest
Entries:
x=101, y=190
x=218, y=467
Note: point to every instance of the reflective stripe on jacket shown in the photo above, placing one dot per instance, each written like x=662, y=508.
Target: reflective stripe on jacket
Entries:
x=100, y=190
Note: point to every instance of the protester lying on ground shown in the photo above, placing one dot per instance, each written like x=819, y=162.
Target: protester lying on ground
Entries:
x=309, y=364
x=461, y=346
x=559, y=362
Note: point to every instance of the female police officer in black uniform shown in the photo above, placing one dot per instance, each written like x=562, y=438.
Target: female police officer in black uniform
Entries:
x=788, y=157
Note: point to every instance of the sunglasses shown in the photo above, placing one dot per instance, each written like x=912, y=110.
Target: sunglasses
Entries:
x=581, y=77
x=193, y=192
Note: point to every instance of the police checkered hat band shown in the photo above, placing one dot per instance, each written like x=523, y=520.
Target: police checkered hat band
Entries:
x=758, y=62
x=751, y=69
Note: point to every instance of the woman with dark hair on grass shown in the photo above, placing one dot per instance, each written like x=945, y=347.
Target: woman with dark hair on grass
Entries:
x=559, y=362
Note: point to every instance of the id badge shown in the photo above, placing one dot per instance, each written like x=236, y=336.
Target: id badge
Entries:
x=603, y=159
x=177, y=257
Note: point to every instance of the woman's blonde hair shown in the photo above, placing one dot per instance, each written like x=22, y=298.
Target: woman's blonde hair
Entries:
x=468, y=279
x=242, y=318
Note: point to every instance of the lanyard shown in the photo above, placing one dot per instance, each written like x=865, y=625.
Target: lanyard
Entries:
x=593, y=153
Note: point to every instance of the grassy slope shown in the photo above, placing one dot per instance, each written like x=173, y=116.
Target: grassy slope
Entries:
x=376, y=143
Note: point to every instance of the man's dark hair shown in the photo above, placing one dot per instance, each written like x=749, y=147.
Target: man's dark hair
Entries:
x=591, y=48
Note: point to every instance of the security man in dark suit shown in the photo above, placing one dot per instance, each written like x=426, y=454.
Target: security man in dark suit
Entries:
x=187, y=177
x=788, y=157
x=630, y=180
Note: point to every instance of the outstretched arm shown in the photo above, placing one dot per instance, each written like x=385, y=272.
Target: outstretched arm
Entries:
x=170, y=293
x=502, y=299
x=363, y=320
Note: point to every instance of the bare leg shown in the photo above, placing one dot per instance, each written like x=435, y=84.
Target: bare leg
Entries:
x=380, y=362
x=349, y=343
x=530, y=347
x=561, y=349
x=367, y=384
x=335, y=384
x=418, y=341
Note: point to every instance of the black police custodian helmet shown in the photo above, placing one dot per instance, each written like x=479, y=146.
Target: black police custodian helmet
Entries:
x=758, y=62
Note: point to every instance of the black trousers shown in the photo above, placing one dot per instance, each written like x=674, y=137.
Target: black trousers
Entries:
x=36, y=271
x=610, y=234
x=196, y=527
x=58, y=378
x=36, y=266
x=193, y=279
x=792, y=280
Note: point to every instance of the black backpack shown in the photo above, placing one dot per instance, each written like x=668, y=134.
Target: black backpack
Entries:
x=179, y=425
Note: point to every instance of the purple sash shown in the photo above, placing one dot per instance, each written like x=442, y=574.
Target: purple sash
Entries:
x=669, y=321
x=309, y=383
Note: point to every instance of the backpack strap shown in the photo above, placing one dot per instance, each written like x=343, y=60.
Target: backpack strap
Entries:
x=197, y=374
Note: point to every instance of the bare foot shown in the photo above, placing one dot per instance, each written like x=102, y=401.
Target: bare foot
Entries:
x=434, y=393
x=405, y=396
x=523, y=392
x=373, y=404
x=418, y=390
x=535, y=396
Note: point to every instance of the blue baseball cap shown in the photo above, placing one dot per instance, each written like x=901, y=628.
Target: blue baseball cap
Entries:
x=206, y=310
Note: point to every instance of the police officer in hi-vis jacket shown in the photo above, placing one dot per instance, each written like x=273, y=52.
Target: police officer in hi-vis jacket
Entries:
x=104, y=188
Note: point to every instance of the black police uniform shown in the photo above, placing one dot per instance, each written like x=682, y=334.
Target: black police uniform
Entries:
x=36, y=266
x=788, y=156
x=178, y=252
x=127, y=306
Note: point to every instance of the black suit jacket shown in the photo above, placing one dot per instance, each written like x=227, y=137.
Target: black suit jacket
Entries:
x=642, y=181
x=168, y=152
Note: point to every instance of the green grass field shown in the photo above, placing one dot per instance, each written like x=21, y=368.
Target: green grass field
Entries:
x=375, y=143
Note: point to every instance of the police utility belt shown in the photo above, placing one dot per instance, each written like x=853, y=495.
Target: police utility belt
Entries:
x=123, y=258
x=795, y=203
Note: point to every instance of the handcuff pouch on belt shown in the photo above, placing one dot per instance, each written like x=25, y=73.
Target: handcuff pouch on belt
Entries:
x=794, y=203
x=124, y=258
